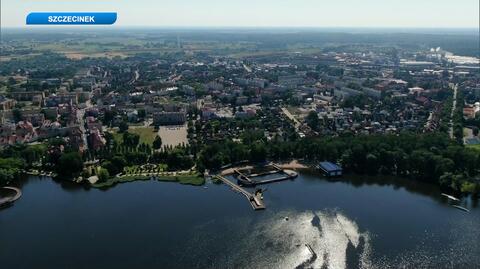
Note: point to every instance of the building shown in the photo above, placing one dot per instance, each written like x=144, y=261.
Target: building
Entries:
x=169, y=118
x=291, y=80
x=241, y=100
x=469, y=112
x=96, y=139
x=7, y=104
x=330, y=169
x=374, y=93
x=27, y=96
x=62, y=98
x=208, y=113
x=36, y=118
x=345, y=92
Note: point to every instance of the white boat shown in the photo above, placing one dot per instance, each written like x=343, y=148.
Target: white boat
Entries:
x=450, y=197
x=461, y=208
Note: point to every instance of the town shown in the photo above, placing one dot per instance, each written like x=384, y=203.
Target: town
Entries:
x=240, y=134
x=191, y=109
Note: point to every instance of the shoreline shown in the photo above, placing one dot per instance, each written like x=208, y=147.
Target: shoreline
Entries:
x=294, y=164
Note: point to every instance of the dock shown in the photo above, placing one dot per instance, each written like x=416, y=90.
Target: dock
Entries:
x=9, y=200
x=255, y=199
x=247, y=180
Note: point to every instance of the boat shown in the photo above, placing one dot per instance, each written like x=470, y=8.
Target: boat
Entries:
x=461, y=208
x=451, y=197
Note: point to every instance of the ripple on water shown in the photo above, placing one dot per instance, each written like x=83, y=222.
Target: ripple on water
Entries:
x=336, y=242
x=275, y=242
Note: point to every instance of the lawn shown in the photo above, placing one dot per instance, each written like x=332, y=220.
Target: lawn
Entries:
x=147, y=134
x=116, y=180
x=477, y=147
x=187, y=179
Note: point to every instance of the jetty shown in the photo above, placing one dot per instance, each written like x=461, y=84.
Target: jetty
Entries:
x=249, y=180
x=9, y=200
x=254, y=199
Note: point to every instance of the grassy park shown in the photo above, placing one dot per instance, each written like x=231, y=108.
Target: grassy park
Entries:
x=146, y=172
x=147, y=134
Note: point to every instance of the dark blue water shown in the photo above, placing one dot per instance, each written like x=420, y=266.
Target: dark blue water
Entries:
x=148, y=224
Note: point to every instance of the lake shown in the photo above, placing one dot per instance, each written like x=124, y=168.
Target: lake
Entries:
x=309, y=222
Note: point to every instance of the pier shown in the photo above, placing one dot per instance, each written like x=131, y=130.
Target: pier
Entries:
x=248, y=180
x=254, y=199
x=9, y=200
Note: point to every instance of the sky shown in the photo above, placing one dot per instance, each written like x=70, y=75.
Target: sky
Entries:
x=262, y=13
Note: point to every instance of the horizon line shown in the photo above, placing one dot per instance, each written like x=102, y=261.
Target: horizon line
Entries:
x=246, y=26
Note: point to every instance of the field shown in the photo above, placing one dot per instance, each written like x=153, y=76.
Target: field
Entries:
x=477, y=147
x=147, y=134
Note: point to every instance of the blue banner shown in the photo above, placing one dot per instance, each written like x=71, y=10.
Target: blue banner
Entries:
x=71, y=18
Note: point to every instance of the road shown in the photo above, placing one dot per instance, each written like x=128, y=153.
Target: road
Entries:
x=248, y=69
x=454, y=105
x=135, y=78
x=290, y=116
x=81, y=122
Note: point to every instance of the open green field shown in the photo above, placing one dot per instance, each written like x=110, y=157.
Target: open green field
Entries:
x=477, y=147
x=147, y=134
x=186, y=179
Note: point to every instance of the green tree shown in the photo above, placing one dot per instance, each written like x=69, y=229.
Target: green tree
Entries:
x=123, y=127
x=131, y=140
x=102, y=174
x=69, y=164
x=157, y=143
x=142, y=113
x=108, y=117
x=258, y=152
x=313, y=120
x=17, y=114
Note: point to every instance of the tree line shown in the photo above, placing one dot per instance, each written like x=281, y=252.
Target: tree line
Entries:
x=430, y=157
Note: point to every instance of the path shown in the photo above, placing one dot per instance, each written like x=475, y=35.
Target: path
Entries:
x=454, y=105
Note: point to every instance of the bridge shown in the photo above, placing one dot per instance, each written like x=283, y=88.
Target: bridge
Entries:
x=254, y=199
x=9, y=200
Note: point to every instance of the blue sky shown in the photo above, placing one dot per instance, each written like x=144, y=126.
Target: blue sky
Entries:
x=263, y=13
